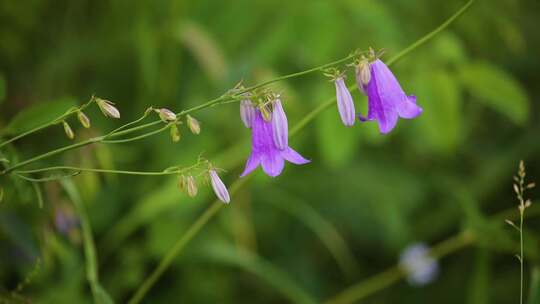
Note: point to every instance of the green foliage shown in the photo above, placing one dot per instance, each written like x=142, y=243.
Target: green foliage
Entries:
x=314, y=230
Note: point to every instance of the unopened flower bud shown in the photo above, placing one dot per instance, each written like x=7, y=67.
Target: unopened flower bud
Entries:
x=83, y=119
x=363, y=73
x=191, y=186
x=182, y=183
x=107, y=108
x=280, y=127
x=345, y=103
x=166, y=114
x=175, y=133
x=247, y=112
x=193, y=124
x=219, y=188
x=68, y=130
x=265, y=112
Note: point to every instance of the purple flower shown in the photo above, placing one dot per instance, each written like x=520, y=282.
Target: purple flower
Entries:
x=345, y=103
x=386, y=99
x=265, y=152
x=280, y=127
x=219, y=188
x=420, y=267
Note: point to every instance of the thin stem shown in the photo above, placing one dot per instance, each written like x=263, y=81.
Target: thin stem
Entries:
x=209, y=213
x=521, y=256
x=432, y=34
x=180, y=245
x=79, y=169
x=48, y=124
x=117, y=141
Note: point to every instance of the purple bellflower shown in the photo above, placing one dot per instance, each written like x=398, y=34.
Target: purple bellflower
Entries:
x=265, y=150
x=386, y=99
x=420, y=267
x=345, y=103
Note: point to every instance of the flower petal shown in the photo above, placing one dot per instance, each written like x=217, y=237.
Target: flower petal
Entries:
x=294, y=157
x=251, y=164
x=272, y=163
x=280, y=127
x=407, y=107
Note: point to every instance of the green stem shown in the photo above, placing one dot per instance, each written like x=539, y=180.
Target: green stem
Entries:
x=432, y=34
x=117, y=141
x=209, y=213
x=521, y=254
x=48, y=124
x=79, y=169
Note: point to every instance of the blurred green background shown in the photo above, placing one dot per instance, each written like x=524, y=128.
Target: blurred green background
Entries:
x=316, y=228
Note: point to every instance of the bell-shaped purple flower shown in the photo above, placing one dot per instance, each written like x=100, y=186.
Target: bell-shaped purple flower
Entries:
x=280, y=126
x=386, y=99
x=345, y=103
x=265, y=152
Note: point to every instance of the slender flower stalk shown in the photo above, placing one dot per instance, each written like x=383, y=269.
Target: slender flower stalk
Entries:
x=345, y=102
x=219, y=188
x=459, y=242
x=280, y=126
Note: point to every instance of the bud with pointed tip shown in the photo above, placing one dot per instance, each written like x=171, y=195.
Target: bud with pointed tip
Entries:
x=182, y=183
x=107, y=108
x=247, y=112
x=175, y=133
x=83, y=119
x=193, y=125
x=280, y=127
x=219, y=188
x=166, y=114
x=68, y=130
x=345, y=103
x=191, y=186
x=363, y=75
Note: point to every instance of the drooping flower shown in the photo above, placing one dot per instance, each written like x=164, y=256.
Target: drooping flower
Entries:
x=67, y=129
x=265, y=152
x=386, y=99
x=280, y=126
x=247, y=112
x=193, y=124
x=107, y=108
x=83, y=119
x=166, y=114
x=345, y=103
x=419, y=266
x=219, y=188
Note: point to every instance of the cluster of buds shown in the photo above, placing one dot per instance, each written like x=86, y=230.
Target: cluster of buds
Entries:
x=188, y=184
x=170, y=117
x=107, y=108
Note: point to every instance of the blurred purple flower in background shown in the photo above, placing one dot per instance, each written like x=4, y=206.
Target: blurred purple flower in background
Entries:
x=386, y=99
x=264, y=149
x=419, y=266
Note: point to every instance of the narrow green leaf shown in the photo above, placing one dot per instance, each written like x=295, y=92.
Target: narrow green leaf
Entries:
x=38, y=114
x=39, y=195
x=497, y=89
x=534, y=289
x=100, y=295
x=279, y=279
